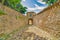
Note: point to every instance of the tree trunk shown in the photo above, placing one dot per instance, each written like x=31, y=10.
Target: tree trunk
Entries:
x=3, y=1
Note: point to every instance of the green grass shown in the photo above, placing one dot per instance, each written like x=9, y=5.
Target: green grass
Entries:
x=2, y=13
x=5, y=36
x=20, y=17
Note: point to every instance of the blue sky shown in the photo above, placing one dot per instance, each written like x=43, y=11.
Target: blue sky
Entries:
x=34, y=5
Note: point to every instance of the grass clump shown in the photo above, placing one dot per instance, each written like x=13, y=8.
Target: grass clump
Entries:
x=4, y=36
x=2, y=13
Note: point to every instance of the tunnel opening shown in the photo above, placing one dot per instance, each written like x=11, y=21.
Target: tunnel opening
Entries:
x=30, y=21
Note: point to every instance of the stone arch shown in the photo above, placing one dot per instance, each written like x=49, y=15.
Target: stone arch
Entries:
x=30, y=21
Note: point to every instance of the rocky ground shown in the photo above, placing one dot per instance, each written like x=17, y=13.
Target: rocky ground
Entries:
x=32, y=33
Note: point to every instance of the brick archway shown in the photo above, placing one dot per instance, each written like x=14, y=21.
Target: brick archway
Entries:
x=30, y=21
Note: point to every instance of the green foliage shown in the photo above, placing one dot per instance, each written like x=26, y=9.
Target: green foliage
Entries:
x=4, y=36
x=49, y=2
x=16, y=4
x=2, y=13
x=3, y=1
x=17, y=17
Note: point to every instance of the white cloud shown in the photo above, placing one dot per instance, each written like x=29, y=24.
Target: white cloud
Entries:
x=36, y=8
x=23, y=0
x=40, y=1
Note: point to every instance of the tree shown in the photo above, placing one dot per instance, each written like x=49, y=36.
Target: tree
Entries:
x=23, y=10
x=16, y=4
x=49, y=2
x=3, y=1
x=0, y=1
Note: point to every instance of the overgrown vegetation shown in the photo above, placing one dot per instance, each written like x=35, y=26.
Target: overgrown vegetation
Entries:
x=15, y=4
x=3, y=36
x=6, y=36
x=49, y=2
x=2, y=13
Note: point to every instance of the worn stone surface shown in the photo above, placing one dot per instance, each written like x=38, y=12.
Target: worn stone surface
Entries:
x=11, y=21
x=49, y=20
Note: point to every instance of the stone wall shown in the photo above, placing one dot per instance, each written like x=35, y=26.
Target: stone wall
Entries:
x=49, y=20
x=12, y=20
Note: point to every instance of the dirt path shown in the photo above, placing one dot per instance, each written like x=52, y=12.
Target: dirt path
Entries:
x=41, y=33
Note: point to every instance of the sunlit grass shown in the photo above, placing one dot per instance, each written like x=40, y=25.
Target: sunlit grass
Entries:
x=4, y=36
x=2, y=13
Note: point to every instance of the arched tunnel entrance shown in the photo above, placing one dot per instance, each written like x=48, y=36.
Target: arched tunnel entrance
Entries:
x=30, y=21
